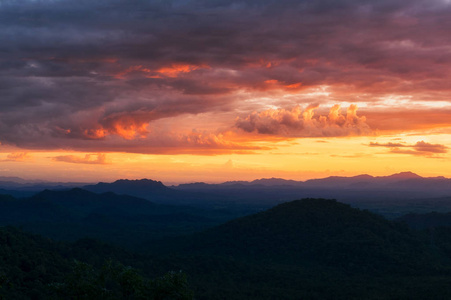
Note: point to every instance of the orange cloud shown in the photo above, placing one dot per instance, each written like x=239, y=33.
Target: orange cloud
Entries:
x=420, y=148
x=171, y=71
x=271, y=81
x=210, y=140
x=293, y=86
x=19, y=157
x=304, y=123
x=128, y=125
x=129, y=129
x=93, y=159
x=94, y=134
x=194, y=142
x=276, y=84
x=175, y=69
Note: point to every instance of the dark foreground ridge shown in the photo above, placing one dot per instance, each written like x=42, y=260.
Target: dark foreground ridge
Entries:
x=313, y=248
x=326, y=232
x=304, y=249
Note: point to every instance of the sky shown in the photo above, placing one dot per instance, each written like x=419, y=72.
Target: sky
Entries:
x=214, y=90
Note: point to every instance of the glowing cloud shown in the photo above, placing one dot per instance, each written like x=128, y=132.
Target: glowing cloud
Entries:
x=128, y=125
x=92, y=159
x=175, y=69
x=296, y=122
x=170, y=71
x=19, y=157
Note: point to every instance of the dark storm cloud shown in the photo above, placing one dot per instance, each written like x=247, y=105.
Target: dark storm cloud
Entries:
x=88, y=70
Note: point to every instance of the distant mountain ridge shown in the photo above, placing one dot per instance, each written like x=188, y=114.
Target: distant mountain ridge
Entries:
x=146, y=185
x=406, y=179
x=123, y=186
x=392, y=195
x=151, y=190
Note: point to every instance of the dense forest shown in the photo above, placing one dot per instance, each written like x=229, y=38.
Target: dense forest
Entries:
x=33, y=267
x=120, y=219
x=310, y=248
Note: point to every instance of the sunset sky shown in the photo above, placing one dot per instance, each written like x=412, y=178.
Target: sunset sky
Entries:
x=213, y=90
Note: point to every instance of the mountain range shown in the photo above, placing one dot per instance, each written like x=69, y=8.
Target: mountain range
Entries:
x=250, y=240
x=391, y=196
x=403, y=180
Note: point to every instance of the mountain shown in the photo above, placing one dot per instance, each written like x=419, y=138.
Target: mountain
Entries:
x=402, y=176
x=69, y=204
x=403, y=180
x=143, y=188
x=125, y=184
x=157, y=192
x=391, y=196
x=121, y=219
x=302, y=231
x=274, y=181
x=303, y=249
x=394, y=181
x=312, y=249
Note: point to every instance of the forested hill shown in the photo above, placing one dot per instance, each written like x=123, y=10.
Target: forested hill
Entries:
x=305, y=249
x=325, y=231
x=121, y=219
x=32, y=267
x=313, y=249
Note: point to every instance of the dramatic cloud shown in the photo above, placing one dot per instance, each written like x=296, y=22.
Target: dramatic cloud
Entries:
x=77, y=74
x=95, y=159
x=165, y=142
x=420, y=148
x=304, y=123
